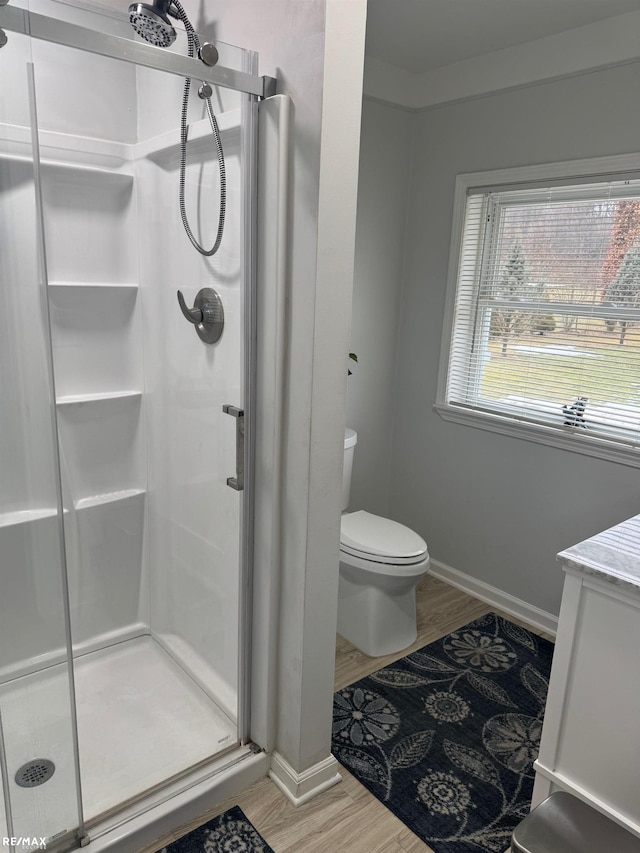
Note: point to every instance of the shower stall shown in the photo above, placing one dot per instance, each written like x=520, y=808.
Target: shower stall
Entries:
x=125, y=434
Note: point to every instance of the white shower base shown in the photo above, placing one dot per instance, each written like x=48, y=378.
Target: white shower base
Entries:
x=141, y=721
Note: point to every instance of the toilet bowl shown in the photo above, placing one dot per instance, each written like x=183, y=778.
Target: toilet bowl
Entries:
x=381, y=562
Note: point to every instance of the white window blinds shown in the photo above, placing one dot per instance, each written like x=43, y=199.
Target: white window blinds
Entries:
x=547, y=314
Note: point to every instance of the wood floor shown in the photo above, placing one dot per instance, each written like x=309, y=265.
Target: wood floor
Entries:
x=347, y=818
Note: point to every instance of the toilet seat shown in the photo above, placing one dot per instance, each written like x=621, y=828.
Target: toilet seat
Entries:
x=388, y=570
x=380, y=540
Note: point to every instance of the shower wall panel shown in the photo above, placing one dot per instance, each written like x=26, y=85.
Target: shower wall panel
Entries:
x=26, y=484
x=91, y=248
x=159, y=96
x=91, y=252
x=31, y=616
x=194, y=517
x=85, y=95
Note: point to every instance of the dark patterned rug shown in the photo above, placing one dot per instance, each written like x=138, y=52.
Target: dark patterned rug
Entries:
x=231, y=832
x=447, y=736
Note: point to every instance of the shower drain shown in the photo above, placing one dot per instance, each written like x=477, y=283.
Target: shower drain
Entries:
x=35, y=772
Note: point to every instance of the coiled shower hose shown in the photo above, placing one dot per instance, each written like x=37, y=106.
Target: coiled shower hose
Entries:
x=193, y=48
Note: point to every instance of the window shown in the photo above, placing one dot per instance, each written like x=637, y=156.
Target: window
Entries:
x=545, y=315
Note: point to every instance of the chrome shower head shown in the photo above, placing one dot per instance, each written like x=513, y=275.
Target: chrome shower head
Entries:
x=152, y=22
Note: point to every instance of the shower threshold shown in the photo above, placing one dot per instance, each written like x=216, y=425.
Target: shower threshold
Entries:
x=142, y=723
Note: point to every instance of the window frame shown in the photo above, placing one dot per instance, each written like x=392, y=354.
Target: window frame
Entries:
x=594, y=169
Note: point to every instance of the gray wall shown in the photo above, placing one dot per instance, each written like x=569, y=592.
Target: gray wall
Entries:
x=495, y=507
x=383, y=188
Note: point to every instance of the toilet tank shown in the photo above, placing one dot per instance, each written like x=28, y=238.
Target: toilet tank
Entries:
x=350, y=441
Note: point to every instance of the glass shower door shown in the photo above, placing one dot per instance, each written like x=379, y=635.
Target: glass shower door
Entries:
x=153, y=529
x=38, y=748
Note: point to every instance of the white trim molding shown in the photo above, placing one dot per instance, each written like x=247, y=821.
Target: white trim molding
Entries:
x=391, y=84
x=604, y=44
x=301, y=787
x=528, y=613
x=571, y=440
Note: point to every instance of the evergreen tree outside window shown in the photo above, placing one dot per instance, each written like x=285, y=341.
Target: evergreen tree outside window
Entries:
x=508, y=323
x=545, y=335
x=624, y=290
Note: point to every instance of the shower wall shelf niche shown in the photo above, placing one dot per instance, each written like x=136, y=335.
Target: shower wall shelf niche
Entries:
x=96, y=174
x=25, y=516
x=48, y=164
x=110, y=285
x=198, y=132
x=91, y=238
x=89, y=225
x=108, y=497
x=102, y=447
x=57, y=148
x=96, y=345
x=81, y=399
x=103, y=157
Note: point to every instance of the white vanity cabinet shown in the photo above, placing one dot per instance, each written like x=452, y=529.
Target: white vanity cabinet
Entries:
x=591, y=734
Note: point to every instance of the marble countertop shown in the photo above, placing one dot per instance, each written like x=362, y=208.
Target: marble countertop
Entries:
x=613, y=554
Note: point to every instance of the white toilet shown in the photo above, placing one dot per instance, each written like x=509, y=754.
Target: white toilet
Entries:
x=381, y=562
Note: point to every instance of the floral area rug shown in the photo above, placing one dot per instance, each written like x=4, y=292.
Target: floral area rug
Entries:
x=231, y=832
x=447, y=736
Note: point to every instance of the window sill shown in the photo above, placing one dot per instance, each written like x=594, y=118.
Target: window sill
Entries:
x=564, y=439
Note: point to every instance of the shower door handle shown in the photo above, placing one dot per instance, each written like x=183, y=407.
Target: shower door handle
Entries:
x=237, y=482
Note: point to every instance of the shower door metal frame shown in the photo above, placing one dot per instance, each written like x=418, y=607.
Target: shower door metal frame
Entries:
x=49, y=29
x=249, y=147
x=45, y=28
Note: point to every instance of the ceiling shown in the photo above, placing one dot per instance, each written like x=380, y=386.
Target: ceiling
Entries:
x=420, y=35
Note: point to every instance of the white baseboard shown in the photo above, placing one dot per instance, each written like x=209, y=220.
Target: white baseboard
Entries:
x=300, y=787
x=496, y=597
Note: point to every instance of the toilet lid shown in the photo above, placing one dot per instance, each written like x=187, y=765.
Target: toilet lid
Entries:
x=370, y=534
